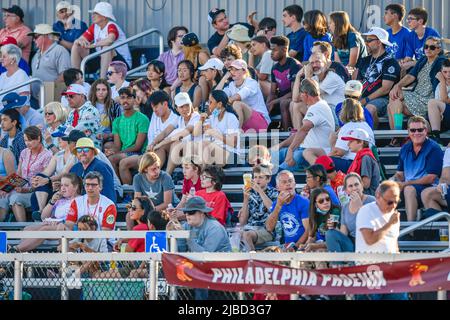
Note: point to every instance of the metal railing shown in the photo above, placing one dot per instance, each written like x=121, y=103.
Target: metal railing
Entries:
x=122, y=43
x=418, y=225
x=26, y=83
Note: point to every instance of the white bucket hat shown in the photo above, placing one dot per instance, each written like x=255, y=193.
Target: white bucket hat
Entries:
x=43, y=29
x=239, y=33
x=64, y=5
x=381, y=34
x=104, y=9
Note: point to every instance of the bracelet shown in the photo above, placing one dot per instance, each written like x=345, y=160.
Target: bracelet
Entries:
x=52, y=204
x=51, y=146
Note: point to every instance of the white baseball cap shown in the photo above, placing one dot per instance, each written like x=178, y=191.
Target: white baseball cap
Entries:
x=213, y=63
x=381, y=34
x=104, y=9
x=75, y=89
x=64, y=5
x=353, y=88
x=182, y=99
x=357, y=134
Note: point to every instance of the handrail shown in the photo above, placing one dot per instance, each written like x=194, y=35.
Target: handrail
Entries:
x=121, y=43
x=182, y=234
x=420, y=224
x=26, y=83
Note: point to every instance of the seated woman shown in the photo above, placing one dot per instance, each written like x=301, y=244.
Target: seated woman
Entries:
x=323, y=215
x=415, y=102
x=157, y=185
x=156, y=74
x=7, y=167
x=55, y=117
x=177, y=137
x=244, y=94
x=143, y=90
x=365, y=164
x=55, y=212
x=316, y=177
x=212, y=71
x=220, y=132
x=192, y=183
x=49, y=180
x=33, y=160
x=343, y=239
x=186, y=76
x=117, y=72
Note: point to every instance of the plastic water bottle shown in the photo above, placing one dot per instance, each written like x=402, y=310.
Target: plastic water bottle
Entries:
x=343, y=197
x=143, y=59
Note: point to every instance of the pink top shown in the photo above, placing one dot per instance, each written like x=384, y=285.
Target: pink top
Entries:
x=32, y=164
x=20, y=34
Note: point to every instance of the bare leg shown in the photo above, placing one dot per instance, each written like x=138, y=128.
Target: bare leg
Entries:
x=436, y=109
x=3, y=213
x=125, y=167
x=215, y=155
x=250, y=238
x=19, y=213
x=265, y=88
x=432, y=199
x=30, y=244
x=105, y=60
x=285, y=114
x=115, y=161
x=42, y=198
x=162, y=154
x=374, y=112
x=312, y=154
x=394, y=107
x=243, y=111
x=411, y=203
x=203, y=83
x=78, y=53
x=175, y=155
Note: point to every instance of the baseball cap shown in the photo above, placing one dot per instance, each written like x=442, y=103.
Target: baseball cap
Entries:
x=8, y=40
x=60, y=132
x=239, y=64
x=74, y=136
x=381, y=34
x=213, y=63
x=357, y=134
x=63, y=5
x=74, y=89
x=85, y=143
x=212, y=15
x=182, y=99
x=327, y=163
x=15, y=10
x=190, y=40
x=13, y=100
x=196, y=204
x=353, y=88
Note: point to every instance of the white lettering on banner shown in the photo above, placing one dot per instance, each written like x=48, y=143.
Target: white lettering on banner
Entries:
x=448, y=277
x=296, y=277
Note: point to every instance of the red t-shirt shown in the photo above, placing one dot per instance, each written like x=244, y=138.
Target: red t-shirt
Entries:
x=187, y=185
x=138, y=244
x=218, y=201
x=338, y=181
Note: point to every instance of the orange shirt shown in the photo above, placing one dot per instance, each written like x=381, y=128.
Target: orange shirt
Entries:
x=338, y=181
x=20, y=34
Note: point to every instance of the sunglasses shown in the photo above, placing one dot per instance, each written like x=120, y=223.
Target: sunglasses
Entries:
x=110, y=73
x=190, y=213
x=70, y=96
x=83, y=150
x=370, y=40
x=432, y=48
x=49, y=113
x=420, y=130
x=132, y=207
x=323, y=200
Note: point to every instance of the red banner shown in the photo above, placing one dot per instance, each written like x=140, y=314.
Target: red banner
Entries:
x=262, y=277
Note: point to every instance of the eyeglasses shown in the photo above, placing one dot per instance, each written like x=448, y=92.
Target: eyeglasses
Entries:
x=91, y=185
x=70, y=96
x=369, y=40
x=419, y=130
x=432, y=48
x=83, y=150
x=49, y=113
x=411, y=19
x=6, y=15
x=390, y=202
x=321, y=201
x=110, y=73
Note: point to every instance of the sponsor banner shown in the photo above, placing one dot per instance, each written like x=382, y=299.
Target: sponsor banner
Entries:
x=262, y=277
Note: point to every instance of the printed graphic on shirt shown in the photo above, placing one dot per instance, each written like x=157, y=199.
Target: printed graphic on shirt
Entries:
x=290, y=224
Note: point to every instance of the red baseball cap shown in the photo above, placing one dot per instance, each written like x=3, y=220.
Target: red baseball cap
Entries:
x=327, y=163
x=8, y=40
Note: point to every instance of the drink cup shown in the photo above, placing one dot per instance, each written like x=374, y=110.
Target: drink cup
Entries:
x=398, y=121
x=443, y=235
x=247, y=180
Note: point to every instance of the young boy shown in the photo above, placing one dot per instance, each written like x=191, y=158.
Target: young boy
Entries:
x=365, y=163
x=291, y=210
x=398, y=34
x=258, y=200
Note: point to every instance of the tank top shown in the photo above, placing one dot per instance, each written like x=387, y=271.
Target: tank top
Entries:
x=190, y=92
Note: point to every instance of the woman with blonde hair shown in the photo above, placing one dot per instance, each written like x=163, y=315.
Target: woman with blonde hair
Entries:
x=55, y=116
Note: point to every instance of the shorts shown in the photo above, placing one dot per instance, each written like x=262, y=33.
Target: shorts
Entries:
x=419, y=189
x=263, y=236
x=300, y=162
x=342, y=164
x=23, y=199
x=256, y=122
x=381, y=105
x=446, y=119
x=132, y=154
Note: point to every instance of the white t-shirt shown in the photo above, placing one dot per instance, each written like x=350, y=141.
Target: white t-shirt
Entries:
x=446, y=159
x=157, y=126
x=332, y=88
x=251, y=95
x=228, y=126
x=437, y=94
x=266, y=64
x=17, y=78
x=370, y=217
x=341, y=144
x=321, y=116
x=181, y=125
x=115, y=92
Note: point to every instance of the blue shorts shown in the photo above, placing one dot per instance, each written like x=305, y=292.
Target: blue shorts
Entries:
x=419, y=189
x=381, y=105
x=300, y=162
x=446, y=119
x=342, y=164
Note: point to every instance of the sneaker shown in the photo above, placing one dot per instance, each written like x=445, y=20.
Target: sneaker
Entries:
x=36, y=216
x=395, y=143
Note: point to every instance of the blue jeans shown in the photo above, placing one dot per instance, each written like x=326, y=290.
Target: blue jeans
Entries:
x=201, y=294
x=379, y=297
x=338, y=242
x=300, y=162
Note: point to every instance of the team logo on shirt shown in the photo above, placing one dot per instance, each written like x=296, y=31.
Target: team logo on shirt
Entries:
x=391, y=70
x=290, y=224
x=110, y=219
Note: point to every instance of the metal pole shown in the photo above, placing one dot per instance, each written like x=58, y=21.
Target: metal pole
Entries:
x=42, y=96
x=18, y=279
x=153, y=292
x=442, y=295
x=294, y=264
x=64, y=289
x=173, y=249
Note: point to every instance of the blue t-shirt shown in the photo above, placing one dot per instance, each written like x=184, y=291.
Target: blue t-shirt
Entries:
x=367, y=116
x=296, y=40
x=400, y=44
x=428, y=161
x=70, y=35
x=291, y=216
x=308, y=43
x=354, y=40
x=22, y=65
x=417, y=44
x=333, y=196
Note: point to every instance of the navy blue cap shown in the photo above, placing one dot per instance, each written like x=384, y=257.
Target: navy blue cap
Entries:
x=13, y=100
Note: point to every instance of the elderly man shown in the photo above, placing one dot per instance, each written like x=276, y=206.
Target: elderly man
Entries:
x=103, y=33
x=316, y=128
x=378, y=73
x=86, y=153
x=51, y=59
x=67, y=25
x=14, y=27
x=84, y=116
x=420, y=165
x=378, y=228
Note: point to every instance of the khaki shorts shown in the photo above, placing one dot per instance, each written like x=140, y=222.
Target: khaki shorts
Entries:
x=263, y=236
